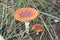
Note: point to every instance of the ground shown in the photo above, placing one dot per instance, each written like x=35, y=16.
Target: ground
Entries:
x=49, y=17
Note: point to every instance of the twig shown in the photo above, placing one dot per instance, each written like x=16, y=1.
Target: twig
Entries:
x=46, y=27
x=50, y=15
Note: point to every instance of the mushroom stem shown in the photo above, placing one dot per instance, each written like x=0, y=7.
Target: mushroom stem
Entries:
x=27, y=27
x=1, y=38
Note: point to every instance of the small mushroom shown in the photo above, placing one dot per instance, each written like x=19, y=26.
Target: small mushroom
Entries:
x=26, y=15
x=37, y=28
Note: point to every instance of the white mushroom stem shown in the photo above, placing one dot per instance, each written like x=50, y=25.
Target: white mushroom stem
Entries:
x=1, y=38
x=27, y=27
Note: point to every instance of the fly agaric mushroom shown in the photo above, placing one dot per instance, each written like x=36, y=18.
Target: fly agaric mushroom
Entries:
x=26, y=15
x=37, y=28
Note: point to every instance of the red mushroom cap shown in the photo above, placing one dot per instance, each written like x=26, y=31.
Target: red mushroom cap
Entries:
x=25, y=14
x=38, y=28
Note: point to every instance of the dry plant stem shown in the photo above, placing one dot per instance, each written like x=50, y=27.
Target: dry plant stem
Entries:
x=1, y=38
x=7, y=7
x=54, y=31
x=27, y=27
x=50, y=15
x=41, y=36
x=46, y=27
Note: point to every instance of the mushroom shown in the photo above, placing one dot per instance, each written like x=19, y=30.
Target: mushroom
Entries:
x=37, y=28
x=26, y=15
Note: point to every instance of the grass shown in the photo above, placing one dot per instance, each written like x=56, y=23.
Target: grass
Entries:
x=8, y=23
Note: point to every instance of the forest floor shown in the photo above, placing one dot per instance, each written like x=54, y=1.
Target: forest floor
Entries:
x=49, y=17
